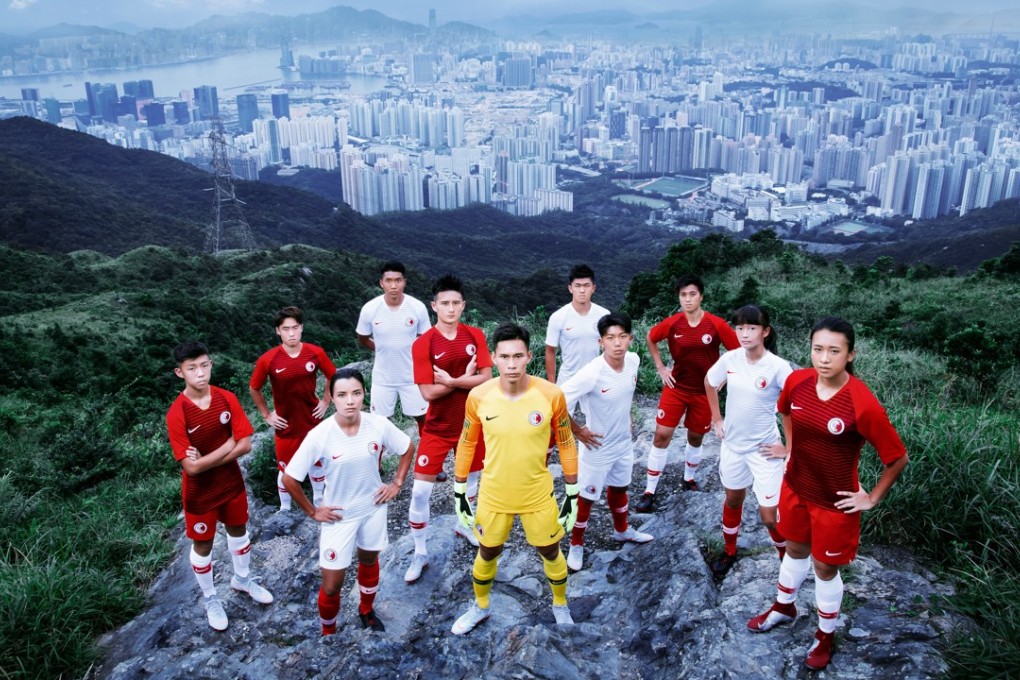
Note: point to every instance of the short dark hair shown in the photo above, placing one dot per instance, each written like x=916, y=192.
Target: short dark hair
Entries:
x=345, y=373
x=447, y=282
x=754, y=315
x=839, y=325
x=581, y=271
x=510, y=331
x=189, y=349
x=685, y=280
x=614, y=319
x=290, y=312
x=392, y=266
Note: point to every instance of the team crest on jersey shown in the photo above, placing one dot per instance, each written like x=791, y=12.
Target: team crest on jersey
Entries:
x=590, y=489
x=225, y=417
x=200, y=527
x=470, y=349
x=423, y=461
x=374, y=448
x=409, y=322
x=836, y=426
x=760, y=382
x=706, y=339
x=479, y=530
x=535, y=418
x=330, y=555
x=310, y=367
x=660, y=414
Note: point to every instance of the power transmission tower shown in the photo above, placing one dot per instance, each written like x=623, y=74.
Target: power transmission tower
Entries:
x=227, y=218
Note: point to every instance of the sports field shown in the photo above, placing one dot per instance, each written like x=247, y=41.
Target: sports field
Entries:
x=653, y=203
x=673, y=186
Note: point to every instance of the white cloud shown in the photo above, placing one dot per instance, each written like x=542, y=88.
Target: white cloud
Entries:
x=20, y=4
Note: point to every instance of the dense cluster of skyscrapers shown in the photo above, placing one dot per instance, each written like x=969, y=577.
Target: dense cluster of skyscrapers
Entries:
x=905, y=127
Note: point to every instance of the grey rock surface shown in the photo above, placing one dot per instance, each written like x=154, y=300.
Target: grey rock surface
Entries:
x=640, y=611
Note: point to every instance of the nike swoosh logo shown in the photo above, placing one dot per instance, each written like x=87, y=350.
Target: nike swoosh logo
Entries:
x=796, y=408
x=193, y=429
x=491, y=417
x=552, y=535
x=833, y=554
x=378, y=322
x=436, y=356
x=569, y=328
x=731, y=372
x=678, y=336
x=337, y=456
x=768, y=498
x=605, y=390
x=280, y=370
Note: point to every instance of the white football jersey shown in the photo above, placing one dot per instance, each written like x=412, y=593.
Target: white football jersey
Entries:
x=608, y=395
x=577, y=337
x=393, y=331
x=752, y=391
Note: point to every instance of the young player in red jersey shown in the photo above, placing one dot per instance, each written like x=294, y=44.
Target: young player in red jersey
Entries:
x=828, y=415
x=353, y=512
x=694, y=337
x=751, y=452
x=292, y=370
x=208, y=432
x=449, y=360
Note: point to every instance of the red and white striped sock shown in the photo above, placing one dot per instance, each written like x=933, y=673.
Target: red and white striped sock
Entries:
x=656, y=464
x=329, y=607
x=779, y=542
x=418, y=514
x=202, y=566
x=619, y=506
x=583, y=513
x=828, y=599
x=368, y=585
x=240, y=553
x=792, y=573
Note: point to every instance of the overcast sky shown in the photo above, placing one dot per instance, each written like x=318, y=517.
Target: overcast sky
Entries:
x=21, y=15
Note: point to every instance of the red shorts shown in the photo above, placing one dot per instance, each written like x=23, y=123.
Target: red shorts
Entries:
x=674, y=403
x=432, y=451
x=286, y=447
x=832, y=534
x=232, y=513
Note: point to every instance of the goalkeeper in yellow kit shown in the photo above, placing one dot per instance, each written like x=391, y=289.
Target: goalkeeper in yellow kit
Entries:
x=514, y=414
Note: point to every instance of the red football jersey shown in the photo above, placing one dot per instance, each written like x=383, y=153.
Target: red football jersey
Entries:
x=292, y=381
x=694, y=348
x=445, y=417
x=188, y=425
x=828, y=436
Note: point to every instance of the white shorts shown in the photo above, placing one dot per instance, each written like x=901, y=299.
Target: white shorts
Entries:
x=384, y=400
x=592, y=479
x=741, y=470
x=337, y=540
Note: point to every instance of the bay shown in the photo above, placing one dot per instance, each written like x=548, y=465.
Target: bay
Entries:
x=230, y=75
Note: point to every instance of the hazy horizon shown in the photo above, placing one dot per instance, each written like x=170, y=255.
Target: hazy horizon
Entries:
x=21, y=16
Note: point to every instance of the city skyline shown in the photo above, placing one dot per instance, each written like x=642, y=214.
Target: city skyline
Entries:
x=21, y=16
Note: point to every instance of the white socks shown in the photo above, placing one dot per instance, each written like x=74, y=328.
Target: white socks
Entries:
x=202, y=566
x=829, y=598
x=240, y=553
x=792, y=573
x=656, y=464
x=418, y=514
x=282, y=490
x=474, y=478
x=693, y=456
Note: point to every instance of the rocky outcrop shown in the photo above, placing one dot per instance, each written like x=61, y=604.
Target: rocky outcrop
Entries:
x=640, y=611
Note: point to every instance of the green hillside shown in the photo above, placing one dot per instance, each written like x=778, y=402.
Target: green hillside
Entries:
x=86, y=340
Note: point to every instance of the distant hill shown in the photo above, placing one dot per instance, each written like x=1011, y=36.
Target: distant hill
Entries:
x=960, y=242
x=67, y=191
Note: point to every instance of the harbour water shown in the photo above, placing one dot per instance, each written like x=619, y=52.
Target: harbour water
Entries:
x=230, y=74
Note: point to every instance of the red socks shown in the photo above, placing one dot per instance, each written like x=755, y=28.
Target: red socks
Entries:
x=368, y=584
x=617, y=501
x=583, y=513
x=329, y=607
x=731, y=527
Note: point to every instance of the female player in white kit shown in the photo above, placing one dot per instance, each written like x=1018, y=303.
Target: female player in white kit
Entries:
x=751, y=453
x=353, y=511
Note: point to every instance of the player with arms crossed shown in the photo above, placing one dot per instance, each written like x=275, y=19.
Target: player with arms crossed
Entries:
x=515, y=413
x=388, y=325
x=208, y=432
x=353, y=512
x=751, y=452
x=693, y=336
x=605, y=447
x=828, y=415
x=292, y=370
x=449, y=360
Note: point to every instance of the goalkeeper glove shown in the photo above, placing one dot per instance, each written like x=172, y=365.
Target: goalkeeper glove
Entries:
x=568, y=510
x=461, y=505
